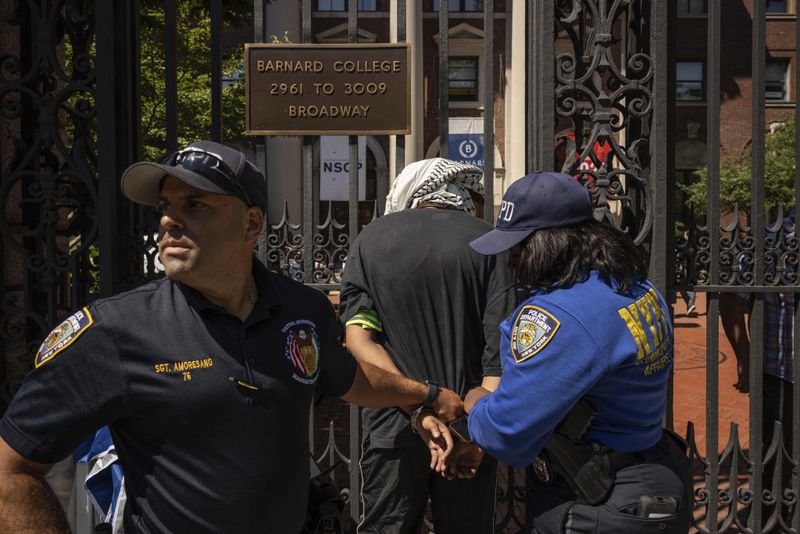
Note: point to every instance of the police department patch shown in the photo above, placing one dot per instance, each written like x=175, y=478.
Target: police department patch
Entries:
x=63, y=336
x=302, y=350
x=533, y=330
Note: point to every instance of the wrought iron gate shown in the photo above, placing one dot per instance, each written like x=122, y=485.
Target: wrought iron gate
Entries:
x=597, y=72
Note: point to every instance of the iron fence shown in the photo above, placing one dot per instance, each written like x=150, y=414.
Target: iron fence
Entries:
x=598, y=73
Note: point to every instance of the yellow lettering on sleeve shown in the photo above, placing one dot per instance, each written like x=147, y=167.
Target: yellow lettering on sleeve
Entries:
x=644, y=309
x=660, y=315
x=637, y=331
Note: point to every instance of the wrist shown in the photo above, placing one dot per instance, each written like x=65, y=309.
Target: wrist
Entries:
x=417, y=416
x=432, y=395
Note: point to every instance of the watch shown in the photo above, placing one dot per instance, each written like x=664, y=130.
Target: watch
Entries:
x=433, y=393
x=460, y=428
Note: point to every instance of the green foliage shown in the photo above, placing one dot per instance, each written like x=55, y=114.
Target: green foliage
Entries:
x=735, y=175
x=193, y=52
x=281, y=40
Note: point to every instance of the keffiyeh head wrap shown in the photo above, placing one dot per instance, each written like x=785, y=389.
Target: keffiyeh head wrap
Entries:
x=437, y=181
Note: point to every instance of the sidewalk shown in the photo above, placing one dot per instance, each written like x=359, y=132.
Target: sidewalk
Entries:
x=690, y=379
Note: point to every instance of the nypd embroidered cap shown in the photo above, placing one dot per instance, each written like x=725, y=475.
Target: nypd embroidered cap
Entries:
x=536, y=201
x=205, y=165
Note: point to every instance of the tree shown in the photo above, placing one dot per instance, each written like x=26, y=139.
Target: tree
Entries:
x=193, y=54
x=735, y=175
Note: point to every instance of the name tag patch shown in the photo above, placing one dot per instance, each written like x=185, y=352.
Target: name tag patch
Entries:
x=63, y=336
x=533, y=330
x=302, y=350
x=183, y=367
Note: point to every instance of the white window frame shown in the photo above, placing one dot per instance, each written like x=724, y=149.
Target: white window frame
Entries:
x=702, y=82
x=786, y=77
x=466, y=40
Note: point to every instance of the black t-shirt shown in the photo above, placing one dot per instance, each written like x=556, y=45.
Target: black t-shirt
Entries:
x=440, y=303
x=200, y=453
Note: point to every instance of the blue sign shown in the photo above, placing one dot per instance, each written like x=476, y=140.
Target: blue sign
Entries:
x=466, y=148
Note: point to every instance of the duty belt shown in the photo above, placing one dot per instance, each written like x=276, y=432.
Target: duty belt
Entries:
x=544, y=472
x=588, y=469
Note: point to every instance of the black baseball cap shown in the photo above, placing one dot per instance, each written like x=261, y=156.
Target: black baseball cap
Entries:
x=206, y=165
x=535, y=201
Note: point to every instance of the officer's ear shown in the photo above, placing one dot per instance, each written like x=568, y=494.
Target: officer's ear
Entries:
x=255, y=225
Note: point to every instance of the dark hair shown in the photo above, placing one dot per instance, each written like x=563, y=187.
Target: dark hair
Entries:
x=557, y=258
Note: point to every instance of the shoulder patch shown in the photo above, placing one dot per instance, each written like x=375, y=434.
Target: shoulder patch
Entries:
x=302, y=350
x=533, y=329
x=63, y=336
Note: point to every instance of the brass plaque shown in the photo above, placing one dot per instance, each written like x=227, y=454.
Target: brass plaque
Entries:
x=327, y=89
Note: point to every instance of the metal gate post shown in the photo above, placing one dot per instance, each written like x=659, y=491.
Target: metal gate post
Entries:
x=662, y=146
x=117, y=133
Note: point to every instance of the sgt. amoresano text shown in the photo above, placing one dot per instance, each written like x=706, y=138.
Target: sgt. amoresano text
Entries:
x=342, y=89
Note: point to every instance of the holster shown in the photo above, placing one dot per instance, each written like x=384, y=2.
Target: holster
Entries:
x=588, y=469
x=679, y=451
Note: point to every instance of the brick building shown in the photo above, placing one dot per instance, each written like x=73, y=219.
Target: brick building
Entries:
x=691, y=75
x=377, y=19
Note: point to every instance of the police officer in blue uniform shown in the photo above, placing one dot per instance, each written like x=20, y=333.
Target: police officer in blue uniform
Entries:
x=205, y=377
x=586, y=359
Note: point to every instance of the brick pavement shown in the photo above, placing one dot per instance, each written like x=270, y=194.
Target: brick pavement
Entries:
x=690, y=397
x=690, y=379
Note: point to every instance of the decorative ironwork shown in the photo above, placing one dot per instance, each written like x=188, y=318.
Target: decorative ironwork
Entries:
x=735, y=496
x=737, y=252
x=48, y=184
x=601, y=98
x=283, y=248
x=510, y=513
x=144, y=244
x=331, y=243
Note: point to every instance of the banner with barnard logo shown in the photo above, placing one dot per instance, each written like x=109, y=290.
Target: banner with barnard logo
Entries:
x=466, y=140
x=334, y=167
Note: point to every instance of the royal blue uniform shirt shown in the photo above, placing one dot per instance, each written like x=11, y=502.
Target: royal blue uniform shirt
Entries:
x=587, y=340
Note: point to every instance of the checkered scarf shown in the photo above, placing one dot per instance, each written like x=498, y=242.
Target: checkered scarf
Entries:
x=437, y=181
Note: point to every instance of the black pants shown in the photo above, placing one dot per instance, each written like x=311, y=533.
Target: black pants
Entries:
x=396, y=484
x=555, y=510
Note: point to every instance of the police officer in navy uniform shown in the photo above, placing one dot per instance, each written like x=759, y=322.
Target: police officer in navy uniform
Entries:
x=205, y=377
x=586, y=359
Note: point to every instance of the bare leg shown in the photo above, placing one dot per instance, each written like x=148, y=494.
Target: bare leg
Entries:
x=732, y=309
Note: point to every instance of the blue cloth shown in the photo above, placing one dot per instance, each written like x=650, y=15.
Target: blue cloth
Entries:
x=779, y=309
x=616, y=349
x=105, y=482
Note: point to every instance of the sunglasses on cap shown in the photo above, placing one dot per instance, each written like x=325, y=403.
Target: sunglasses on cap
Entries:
x=209, y=166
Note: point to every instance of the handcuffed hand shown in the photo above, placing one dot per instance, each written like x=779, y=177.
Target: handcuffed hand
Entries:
x=464, y=461
x=437, y=437
x=448, y=405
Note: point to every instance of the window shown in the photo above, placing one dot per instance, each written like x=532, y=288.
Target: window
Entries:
x=777, y=6
x=463, y=79
x=689, y=81
x=776, y=76
x=237, y=76
x=691, y=7
x=460, y=5
x=341, y=5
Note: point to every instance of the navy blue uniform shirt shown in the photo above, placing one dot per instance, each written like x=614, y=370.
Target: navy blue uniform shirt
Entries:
x=616, y=349
x=200, y=453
